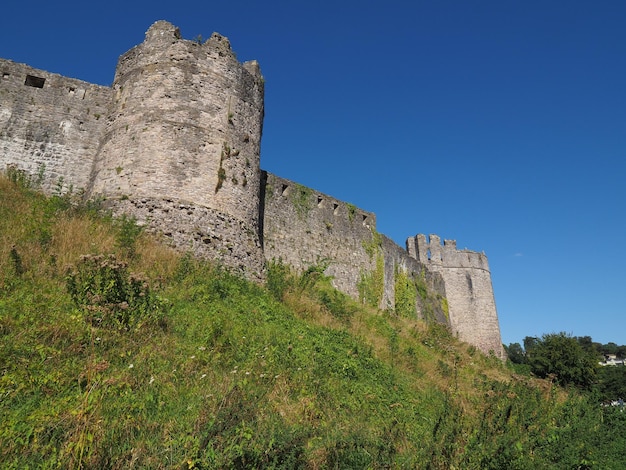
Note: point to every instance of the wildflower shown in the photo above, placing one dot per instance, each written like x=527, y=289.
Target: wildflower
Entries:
x=203, y=376
x=131, y=366
x=247, y=373
x=192, y=357
x=151, y=379
x=202, y=348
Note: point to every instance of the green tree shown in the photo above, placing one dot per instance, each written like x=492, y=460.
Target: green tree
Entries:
x=612, y=382
x=610, y=348
x=561, y=356
x=515, y=353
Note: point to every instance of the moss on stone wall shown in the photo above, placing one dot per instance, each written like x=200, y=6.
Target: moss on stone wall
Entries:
x=374, y=246
x=444, y=307
x=301, y=199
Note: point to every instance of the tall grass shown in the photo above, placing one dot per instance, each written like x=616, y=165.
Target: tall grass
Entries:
x=239, y=376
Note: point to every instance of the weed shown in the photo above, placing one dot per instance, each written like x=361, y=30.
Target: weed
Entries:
x=128, y=231
x=279, y=278
x=24, y=180
x=102, y=287
x=351, y=211
x=301, y=198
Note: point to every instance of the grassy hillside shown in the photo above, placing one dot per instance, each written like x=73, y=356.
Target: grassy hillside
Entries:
x=116, y=352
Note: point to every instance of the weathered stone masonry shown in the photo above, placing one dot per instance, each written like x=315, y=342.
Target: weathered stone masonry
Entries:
x=175, y=142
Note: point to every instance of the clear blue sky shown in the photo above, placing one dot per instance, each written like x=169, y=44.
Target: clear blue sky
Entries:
x=501, y=124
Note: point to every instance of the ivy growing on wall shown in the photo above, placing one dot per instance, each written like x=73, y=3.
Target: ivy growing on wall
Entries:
x=430, y=304
x=405, y=294
x=371, y=286
x=374, y=245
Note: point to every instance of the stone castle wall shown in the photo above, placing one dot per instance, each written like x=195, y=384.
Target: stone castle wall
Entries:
x=469, y=291
x=50, y=123
x=303, y=227
x=182, y=144
x=175, y=142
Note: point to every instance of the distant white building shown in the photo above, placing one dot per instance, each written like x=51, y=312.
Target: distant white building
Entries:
x=611, y=360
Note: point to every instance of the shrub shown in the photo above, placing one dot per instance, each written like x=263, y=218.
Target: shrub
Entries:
x=127, y=235
x=279, y=278
x=103, y=288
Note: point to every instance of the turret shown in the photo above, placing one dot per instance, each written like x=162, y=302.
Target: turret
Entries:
x=184, y=130
x=469, y=291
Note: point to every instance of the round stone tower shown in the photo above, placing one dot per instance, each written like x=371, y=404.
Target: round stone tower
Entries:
x=182, y=147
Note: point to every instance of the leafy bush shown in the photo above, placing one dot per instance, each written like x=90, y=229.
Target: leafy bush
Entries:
x=561, y=356
x=110, y=295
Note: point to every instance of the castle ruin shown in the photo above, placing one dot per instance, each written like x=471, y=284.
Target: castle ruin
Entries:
x=175, y=143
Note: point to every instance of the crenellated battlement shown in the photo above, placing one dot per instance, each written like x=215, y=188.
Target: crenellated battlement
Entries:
x=430, y=251
x=469, y=290
x=175, y=142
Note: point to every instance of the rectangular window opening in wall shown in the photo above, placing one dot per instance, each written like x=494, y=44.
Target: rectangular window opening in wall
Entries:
x=5, y=75
x=364, y=219
x=71, y=90
x=320, y=200
x=284, y=189
x=428, y=254
x=335, y=207
x=36, y=82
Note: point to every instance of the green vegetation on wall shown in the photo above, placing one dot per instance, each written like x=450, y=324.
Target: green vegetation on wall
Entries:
x=444, y=307
x=225, y=154
x=405, y=292
x=301, y=200
x=374, y=246
x=351, y=211
x=371, y=285
x=431, y=304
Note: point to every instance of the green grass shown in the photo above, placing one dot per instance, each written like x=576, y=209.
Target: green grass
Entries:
x=212, y=371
